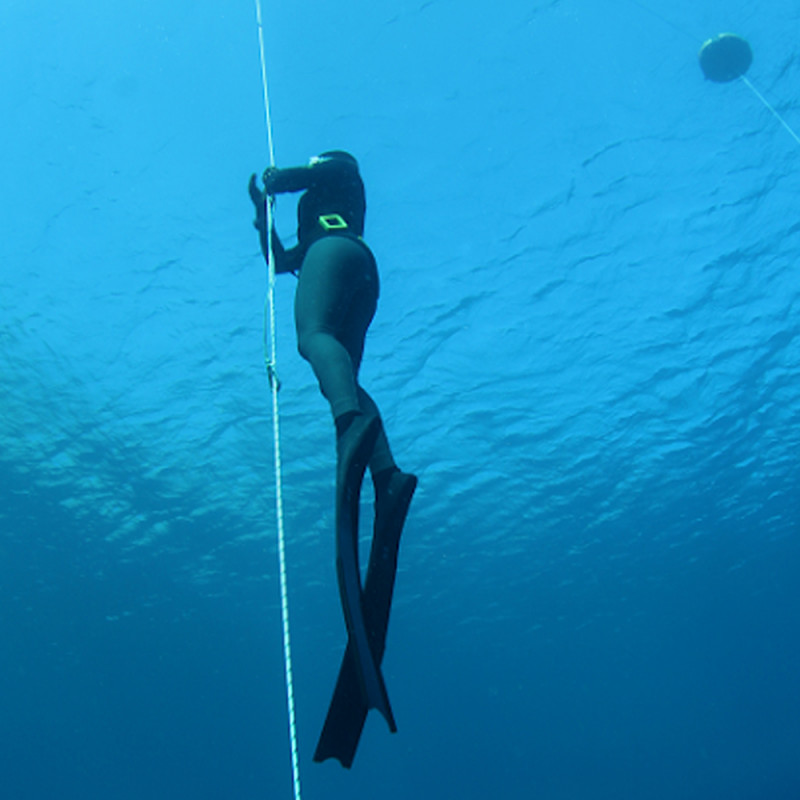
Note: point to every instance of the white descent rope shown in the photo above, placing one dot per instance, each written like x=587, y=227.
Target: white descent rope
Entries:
x=270, y=360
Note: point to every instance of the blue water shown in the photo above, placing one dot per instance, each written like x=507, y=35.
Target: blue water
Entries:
x=587, y=347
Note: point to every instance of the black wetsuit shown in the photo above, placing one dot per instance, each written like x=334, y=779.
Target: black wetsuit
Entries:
x=336, y=299
x=338, y=285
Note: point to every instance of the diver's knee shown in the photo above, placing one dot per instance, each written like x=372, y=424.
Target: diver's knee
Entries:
x=305, y=345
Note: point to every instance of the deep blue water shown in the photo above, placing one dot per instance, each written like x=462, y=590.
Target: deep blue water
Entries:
x=587, y=347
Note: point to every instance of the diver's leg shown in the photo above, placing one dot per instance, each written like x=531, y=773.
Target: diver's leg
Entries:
x=324, y=295
x=382, y=458
x=388, y=480
x=334, y=305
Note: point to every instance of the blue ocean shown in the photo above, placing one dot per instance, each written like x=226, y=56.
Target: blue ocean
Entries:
x=586, y=346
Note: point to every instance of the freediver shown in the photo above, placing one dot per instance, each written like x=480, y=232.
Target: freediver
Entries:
x=335, y=302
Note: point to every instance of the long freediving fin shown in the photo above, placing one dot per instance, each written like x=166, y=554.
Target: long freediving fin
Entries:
x=348, y=711
x=354, y=450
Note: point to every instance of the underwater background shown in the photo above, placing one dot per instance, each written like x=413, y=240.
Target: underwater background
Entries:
x=587, y=348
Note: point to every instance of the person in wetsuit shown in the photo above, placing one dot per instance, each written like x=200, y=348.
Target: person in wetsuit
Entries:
x=335, y=302
x=337, y=291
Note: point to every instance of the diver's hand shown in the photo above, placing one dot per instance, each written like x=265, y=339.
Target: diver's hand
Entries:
x=260, y=222
x=256, y=195
x=269, y=177
x=259, y=201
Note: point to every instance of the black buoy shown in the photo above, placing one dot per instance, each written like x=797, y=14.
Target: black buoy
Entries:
x=725, y=57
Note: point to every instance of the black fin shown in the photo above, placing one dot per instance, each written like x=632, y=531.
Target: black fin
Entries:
x=348, y=711
x=354, y=449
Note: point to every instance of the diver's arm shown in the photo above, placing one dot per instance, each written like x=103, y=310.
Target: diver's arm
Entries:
x=291, y=179
x=285, y=260
x=298, y=179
